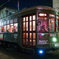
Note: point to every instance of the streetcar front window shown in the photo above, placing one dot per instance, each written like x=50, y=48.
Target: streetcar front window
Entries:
x=51, y=23
x=42, y=24
x=57, y=24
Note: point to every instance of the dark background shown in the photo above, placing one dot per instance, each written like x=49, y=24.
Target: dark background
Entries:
x=26, y=3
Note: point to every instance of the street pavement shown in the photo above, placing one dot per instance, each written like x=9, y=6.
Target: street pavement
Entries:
x=10, y=54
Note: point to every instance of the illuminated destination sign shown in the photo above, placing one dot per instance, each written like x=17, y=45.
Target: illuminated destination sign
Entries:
x=42, y=14
x=51, y=15
x=43, y=42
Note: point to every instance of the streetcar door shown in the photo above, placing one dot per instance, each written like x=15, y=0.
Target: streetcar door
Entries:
x=42, y=29
x=29, y=31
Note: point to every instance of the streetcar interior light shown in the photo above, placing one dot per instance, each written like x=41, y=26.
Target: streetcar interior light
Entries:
x=54, y=39
x=40, y=51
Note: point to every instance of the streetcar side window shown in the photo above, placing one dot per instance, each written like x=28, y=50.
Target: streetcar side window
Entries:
x=30, y=18
x=2, y=29
x=5, y=28
x=16, y=27
x=11, y=28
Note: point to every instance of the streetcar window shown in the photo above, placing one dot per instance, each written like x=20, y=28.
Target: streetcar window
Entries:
x=30, y=26
x=57, y=24
x=23, y=26
x=51, y=23
x=34, y=42
x=23, y=35
x=26, y=26
x=30, y=38
x=4, y=28
x=15, y=27
x=30, y=35
x=42, y=25
x=26, y=35
x=26, y=18
x=33, y=25
x=26, y=41
x=0, y=29
x=34, y=37
x=23, y=18
x=7, y=28
x=33, y=17
x=29, y=29
x=30, y=18
x=11, y=28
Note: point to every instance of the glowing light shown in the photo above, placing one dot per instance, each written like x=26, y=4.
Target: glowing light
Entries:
x=51, y=15
x=42, y=14
x=40, y=51
x=54, y=39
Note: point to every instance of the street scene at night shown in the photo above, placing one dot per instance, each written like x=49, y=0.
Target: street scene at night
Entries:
x=29, y=29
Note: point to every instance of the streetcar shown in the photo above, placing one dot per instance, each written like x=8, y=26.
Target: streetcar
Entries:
x=34, y=29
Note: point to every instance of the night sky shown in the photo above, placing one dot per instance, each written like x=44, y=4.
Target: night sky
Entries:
x=26, y=3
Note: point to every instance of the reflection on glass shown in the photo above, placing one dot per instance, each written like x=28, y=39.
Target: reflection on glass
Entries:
x=26, y=26
x=33, y=25
x=4, y=28
x=23, y=26
x=16, y=27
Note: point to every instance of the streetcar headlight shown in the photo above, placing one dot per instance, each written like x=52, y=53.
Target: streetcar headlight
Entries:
x=54, y=39
x=40, y=51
